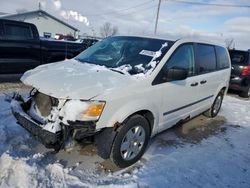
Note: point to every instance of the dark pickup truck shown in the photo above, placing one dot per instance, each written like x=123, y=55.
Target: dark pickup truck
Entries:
x=22, y=49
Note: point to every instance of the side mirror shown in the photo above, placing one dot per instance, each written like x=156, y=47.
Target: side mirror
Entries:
x=176, y=73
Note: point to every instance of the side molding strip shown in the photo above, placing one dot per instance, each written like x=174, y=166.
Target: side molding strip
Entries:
x=177, y=109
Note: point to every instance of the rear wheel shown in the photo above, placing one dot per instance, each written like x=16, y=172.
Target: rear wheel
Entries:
x=131, y=141
x=215, y=108
x=246, y=93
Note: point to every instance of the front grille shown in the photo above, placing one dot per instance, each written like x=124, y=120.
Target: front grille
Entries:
x=44, y=103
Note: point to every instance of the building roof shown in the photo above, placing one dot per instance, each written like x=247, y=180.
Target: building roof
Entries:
x=8, y=16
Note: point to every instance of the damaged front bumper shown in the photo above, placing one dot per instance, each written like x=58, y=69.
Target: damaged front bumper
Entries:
x=57, y=140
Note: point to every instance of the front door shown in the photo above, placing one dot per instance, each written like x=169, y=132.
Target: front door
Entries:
x=179, y=98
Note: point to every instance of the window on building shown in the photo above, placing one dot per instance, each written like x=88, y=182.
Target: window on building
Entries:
x=13, y=31
x=206, y=58
x=222, y=58
x=47, y=35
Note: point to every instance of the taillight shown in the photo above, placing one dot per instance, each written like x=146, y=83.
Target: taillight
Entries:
x=246, y=71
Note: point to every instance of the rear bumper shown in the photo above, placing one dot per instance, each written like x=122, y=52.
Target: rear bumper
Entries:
x=76, y=130
x=239, y=83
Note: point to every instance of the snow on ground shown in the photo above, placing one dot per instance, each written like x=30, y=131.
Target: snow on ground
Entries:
x=201, y=153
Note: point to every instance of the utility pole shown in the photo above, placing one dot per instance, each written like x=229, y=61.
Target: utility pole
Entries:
x=39, y=6
x=157, y=16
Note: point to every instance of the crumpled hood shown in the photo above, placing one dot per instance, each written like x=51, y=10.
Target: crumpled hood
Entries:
x=71, y=79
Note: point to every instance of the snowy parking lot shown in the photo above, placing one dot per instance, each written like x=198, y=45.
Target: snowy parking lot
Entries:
x=201, y=153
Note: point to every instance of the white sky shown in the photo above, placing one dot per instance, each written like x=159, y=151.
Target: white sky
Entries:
x=176, y=19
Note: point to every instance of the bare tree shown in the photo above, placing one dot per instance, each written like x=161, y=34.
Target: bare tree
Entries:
x=108, y=30
x=230, y=43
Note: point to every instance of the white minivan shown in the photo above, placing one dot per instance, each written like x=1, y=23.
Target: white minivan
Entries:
x=121, y=92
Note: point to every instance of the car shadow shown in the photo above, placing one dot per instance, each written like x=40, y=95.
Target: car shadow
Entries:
x=191, y=132
x=235, y=94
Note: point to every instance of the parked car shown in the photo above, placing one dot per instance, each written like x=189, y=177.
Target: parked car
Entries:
x=87, y=41
x=240, y=74
x=122, y=91
x=22, y=49
x=64, y=37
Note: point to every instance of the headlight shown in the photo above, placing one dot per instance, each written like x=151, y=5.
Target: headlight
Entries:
x=93, y=112
x=74, y=110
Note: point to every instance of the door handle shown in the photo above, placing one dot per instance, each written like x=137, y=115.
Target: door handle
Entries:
x=203, y=82
x=194, y=84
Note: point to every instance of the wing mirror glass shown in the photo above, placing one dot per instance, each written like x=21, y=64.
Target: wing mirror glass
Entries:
x=176, y=73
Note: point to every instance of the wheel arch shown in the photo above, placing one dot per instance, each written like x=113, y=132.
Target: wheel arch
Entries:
x=148, y=115
x=223, y=89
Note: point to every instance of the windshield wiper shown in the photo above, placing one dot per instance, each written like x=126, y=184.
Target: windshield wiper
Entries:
x=84, y=61
x=115, y=70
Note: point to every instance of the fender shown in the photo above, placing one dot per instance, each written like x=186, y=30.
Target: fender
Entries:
x=126, y=110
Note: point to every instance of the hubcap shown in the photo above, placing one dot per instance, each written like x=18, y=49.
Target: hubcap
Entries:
x=217, y=104
x=132, y=142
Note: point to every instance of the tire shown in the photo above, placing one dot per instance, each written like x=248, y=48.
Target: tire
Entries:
x=128, y=147
x=246, y=93
x=215, y=108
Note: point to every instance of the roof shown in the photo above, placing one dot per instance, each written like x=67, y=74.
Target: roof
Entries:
x=175, y=39
x=8, y=16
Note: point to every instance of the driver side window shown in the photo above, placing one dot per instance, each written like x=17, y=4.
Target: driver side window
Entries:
x=183, y=58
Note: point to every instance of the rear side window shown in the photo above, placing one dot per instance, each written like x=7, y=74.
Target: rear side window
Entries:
x=238, y=57
x=222, y=58
x=13, y=31
x=206, y=58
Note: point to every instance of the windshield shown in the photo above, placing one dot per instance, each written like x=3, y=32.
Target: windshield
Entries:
x=131, y=55
x=239, y=57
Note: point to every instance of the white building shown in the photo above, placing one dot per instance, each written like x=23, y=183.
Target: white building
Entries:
x=46, y=24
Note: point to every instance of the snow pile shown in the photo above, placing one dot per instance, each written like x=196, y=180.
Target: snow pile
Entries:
x=124, y=69
x=75, y=81
x=72, y=109
x=15, y=170
x=25, y=172
x=220, y=160
x=152, y=64
x=143, y=72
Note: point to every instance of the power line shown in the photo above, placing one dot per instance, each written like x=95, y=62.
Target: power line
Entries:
x=121, y=10
x=141, y=10
x=210, y=4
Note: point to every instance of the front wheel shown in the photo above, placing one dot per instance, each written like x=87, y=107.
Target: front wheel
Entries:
x=215, y=108
x=131, y=141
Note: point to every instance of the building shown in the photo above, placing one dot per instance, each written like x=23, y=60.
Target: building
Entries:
x=47, y=24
